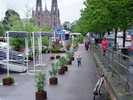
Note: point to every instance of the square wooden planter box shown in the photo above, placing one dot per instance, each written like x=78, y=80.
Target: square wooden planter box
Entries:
x=52, y=58
x=65, y=68
x=8, y=81
x=69, y=62
x=53, y=81
x=61, y=71
x=41, y=95
x=58, y=57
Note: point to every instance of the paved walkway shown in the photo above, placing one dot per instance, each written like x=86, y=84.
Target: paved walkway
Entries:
x=76, y=84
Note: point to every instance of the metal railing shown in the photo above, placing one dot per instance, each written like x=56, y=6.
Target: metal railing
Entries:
x=119, y=66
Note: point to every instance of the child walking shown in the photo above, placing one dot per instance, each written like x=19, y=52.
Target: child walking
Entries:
x=79, y=60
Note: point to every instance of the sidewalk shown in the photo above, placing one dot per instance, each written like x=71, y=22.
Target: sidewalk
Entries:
x=76, y=84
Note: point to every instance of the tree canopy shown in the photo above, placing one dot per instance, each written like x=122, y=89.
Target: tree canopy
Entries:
x=105, y=15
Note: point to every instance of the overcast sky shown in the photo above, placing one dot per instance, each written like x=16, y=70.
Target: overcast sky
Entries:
x=69, y=9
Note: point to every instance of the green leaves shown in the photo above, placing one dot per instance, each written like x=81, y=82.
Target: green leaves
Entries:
x=54, y=70
x=40, y=81
x=2, y=30
x=62, y=61
x=13, y=22
x=104, y=15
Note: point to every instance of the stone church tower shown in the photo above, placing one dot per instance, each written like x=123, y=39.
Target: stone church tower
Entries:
x=47, y=18
x=55, y=14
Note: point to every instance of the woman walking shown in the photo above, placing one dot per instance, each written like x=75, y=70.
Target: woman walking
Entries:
x=104, y=44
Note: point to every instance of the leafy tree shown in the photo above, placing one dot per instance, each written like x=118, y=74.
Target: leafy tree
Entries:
x=100, y=16
x=2, y=30
x=17, y=24
x=45, y=29
x=7, y=22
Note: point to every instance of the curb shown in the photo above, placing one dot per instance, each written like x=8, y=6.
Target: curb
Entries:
x=107, y=85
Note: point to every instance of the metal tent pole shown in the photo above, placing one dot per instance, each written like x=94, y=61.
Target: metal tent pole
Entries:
x=40, y=38
x=27, y=54
x=33, y=48
x=7, y=55
x=38, y=41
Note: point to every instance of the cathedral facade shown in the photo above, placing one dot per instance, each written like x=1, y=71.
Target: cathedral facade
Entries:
x=45, y=17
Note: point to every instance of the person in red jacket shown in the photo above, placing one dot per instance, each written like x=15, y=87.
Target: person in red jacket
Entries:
x=104, y=44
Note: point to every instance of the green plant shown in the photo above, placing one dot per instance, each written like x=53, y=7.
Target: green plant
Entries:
x=62, y=61
x=45, y=40
x=69, y=54
x=54, y=70
x=40, y=81
x=15, y=42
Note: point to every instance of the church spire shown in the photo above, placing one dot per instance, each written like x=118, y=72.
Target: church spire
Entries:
x=45, y=5
x=55, y=14
x=54, y=6
x=39, y=5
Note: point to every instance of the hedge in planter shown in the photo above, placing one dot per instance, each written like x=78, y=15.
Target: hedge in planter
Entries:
x=60, y=70
x=63, y=63
x=40, y=94
x=69, y=57
x=53, y=80
x=8, y=81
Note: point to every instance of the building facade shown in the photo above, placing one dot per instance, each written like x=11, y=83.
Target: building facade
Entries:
x=45, y=17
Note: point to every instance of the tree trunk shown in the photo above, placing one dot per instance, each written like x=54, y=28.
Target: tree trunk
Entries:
x=124, y=37
x=115, y=41
x=108, y=32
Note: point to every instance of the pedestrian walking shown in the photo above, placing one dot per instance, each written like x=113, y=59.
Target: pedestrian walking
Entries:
x=79, y=60
x=104, y=44
x=87, y=43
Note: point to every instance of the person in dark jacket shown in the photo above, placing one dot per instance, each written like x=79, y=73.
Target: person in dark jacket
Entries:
x=87, y=43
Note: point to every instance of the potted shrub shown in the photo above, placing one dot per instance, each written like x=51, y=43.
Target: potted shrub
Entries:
x=53, y=80
x=8, y=80
x=41, y=94
x=60, y=70
x=69, y=56
x=63, y=63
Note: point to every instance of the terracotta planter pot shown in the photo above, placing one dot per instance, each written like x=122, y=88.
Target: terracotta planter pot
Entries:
x=61, y=71
x=65, y=68
x=7, y=81
x=53, y=81
x=41, y=95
